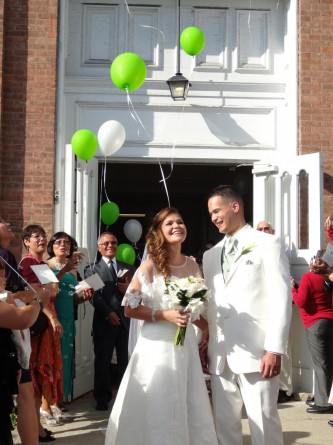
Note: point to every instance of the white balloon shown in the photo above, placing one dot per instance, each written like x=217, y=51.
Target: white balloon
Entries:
x=133, y=230
x=111, y=137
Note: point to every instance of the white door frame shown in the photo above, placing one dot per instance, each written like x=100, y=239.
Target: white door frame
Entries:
x=276, y=199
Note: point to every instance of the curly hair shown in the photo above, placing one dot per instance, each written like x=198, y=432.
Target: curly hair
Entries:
x=157, y=248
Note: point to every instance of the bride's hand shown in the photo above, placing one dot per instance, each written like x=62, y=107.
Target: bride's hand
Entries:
x=178, y=317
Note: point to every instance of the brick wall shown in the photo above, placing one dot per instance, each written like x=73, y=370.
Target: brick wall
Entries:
x=28, y=112
x=316, y=86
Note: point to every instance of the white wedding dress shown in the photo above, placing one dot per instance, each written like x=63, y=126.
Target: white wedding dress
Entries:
x=162, y=399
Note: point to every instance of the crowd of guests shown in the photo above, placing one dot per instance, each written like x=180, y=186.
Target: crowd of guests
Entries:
x=39, y=361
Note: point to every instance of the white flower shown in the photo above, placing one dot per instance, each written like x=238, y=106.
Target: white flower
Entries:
x=189, y=293
x=247, y=249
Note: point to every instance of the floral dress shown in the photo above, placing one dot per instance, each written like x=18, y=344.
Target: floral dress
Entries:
x=162, y=399
x=45, y=359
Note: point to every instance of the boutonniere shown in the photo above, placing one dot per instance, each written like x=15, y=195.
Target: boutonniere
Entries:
x=247, y=249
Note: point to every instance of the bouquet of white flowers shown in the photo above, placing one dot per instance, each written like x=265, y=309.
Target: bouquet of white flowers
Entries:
x=189, y=293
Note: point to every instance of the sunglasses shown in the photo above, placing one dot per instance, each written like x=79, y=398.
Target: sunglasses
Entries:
x=41, y=236
x=106, y=243
x=265, y=229
x=62, y=241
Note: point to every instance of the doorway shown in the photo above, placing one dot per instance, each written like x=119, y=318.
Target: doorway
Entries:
x=137, y=189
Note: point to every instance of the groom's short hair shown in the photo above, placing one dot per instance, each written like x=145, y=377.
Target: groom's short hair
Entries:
x=226, y=192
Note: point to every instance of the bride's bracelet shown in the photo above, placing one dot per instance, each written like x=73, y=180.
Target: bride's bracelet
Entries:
x=153, y=315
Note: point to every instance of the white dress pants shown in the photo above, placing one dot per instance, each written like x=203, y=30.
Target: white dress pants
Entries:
x=259, y=395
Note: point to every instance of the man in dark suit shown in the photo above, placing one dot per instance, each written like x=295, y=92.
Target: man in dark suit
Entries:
x=110, y=326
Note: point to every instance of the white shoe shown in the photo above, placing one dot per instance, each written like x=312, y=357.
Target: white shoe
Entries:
x=58, y=414
x=50, y=419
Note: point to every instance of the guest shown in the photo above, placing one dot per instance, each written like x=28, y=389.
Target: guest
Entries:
x=162, y=397
x=27, y=424
x=285, y=382
x=199, y=256
x=248, y=319
x=46, y=362
x=315, y=303
x=12, y=317
x=110, y=326
x=64, y=262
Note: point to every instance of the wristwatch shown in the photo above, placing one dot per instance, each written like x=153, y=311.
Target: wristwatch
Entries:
x=39, y=301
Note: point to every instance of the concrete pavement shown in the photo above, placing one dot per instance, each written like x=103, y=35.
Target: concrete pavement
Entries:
x=86, y=425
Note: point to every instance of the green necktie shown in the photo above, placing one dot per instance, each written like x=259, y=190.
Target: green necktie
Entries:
x=229, y=252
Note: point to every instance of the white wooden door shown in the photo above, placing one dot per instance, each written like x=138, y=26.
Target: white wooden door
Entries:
x=77, y=215
x=289, y=195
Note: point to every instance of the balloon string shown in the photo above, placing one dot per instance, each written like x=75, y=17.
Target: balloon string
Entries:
x=249, y=21
x=127, y=7
x=164, y=182
x=100, y=215
x=154, y=27
x=135, y=115
x=180, y=121
x=104, y=178
x=191, y=68
x=144, y=26
x=137, y=119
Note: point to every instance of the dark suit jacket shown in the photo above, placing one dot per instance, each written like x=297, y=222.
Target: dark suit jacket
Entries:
x=108, y=299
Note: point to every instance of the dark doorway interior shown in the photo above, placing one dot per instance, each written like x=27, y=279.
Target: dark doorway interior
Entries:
x=136, y=188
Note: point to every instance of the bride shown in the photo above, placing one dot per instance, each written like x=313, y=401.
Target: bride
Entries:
x=162, y=399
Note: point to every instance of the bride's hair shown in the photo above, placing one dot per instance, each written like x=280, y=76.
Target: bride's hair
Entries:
x=157, y=248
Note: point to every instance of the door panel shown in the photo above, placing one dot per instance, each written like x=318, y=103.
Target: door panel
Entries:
x=78, y=199
x=283, y=194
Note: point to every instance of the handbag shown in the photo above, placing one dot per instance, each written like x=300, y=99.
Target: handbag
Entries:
x=40, y=325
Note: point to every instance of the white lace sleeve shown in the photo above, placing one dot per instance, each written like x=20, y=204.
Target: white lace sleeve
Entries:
x=133, y=298
x=137, y=290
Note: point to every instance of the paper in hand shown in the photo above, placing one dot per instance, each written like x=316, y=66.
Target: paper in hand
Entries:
x=44, y=274
x=93, y=282
x=124, y=275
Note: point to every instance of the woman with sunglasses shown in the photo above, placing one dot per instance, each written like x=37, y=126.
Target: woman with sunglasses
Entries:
x=45, y=360
x=64, y=260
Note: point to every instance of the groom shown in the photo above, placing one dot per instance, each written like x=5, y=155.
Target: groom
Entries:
x=249, y=317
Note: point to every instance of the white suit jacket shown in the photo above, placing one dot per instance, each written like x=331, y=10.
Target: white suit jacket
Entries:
x=250, y=312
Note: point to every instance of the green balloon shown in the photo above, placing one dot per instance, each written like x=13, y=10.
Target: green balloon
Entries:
x=128, y=71
x=192, y=40
x=126, y=253
x=84, y=144
x=109, y=213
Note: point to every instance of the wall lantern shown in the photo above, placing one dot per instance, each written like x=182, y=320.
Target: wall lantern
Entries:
x=178, y=84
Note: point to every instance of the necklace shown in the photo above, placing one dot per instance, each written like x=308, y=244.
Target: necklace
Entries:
x=58, y=265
